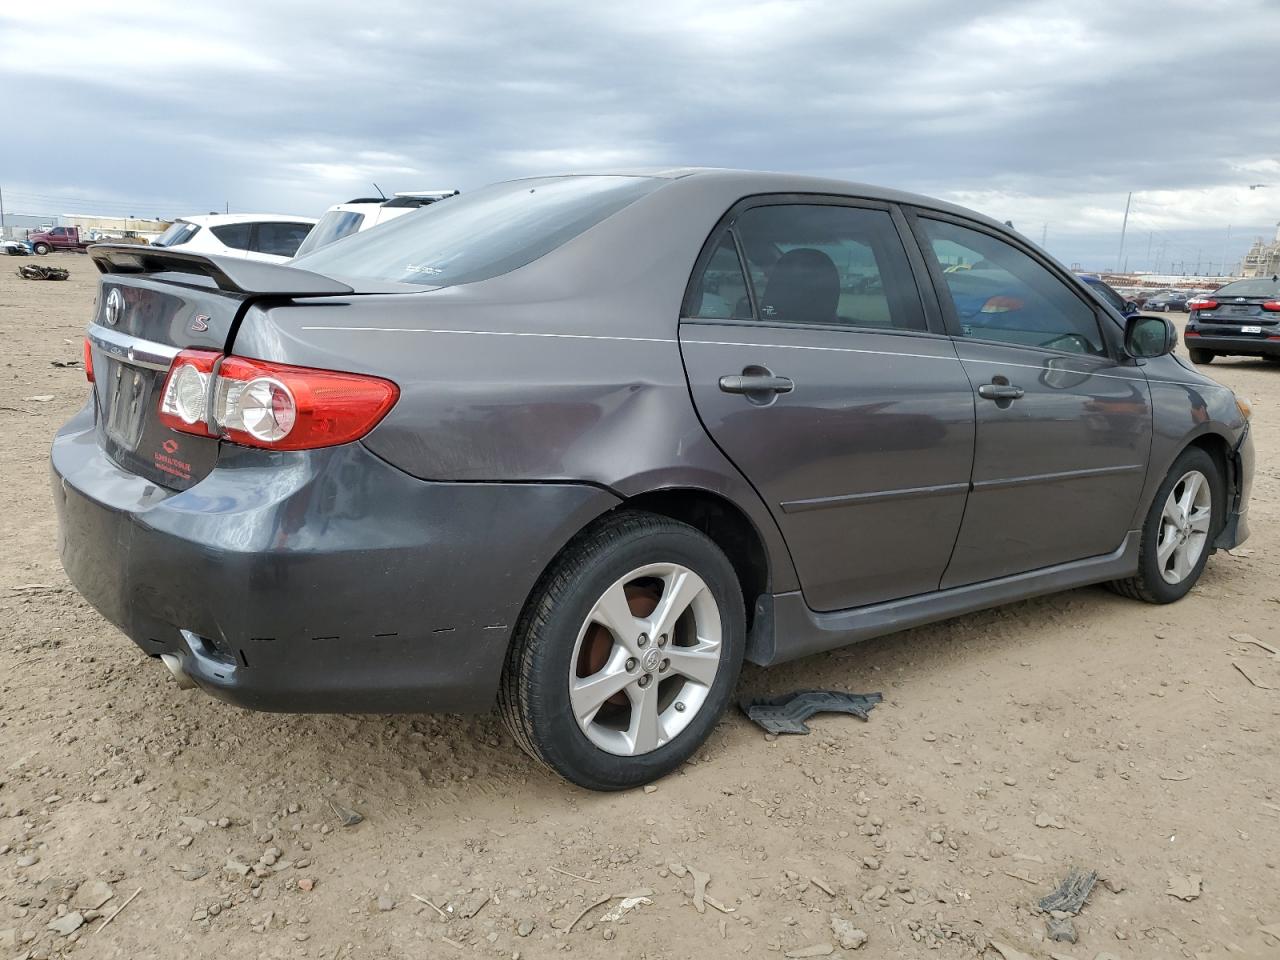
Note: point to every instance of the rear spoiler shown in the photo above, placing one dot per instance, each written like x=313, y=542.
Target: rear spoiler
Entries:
x=229, y=273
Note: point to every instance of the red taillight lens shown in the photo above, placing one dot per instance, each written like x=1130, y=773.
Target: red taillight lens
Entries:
x=1272, y=305
x=88, y=360
x=1203, y=305
x=1191, y=333
x=272, y=405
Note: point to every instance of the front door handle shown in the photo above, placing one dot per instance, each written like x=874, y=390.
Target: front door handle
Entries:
x=756, y=383
x=1000, y=391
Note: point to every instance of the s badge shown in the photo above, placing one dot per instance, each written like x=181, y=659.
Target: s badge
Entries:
x=199, y=323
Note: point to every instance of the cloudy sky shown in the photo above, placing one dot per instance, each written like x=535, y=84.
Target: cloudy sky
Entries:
x=1046, y=114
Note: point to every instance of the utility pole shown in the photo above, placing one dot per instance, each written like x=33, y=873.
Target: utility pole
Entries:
x=1, y=213
x=1226, y=243
x=1044, y=234
x=1150, y=238
x=226, y=206
x=1124, y=225
x=1197, y=261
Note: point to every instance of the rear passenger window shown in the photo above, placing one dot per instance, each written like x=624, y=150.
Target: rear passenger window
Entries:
x=281, y=239
x=233, y=235
x=721, y=290
x=1001, y=293
x=829, y=264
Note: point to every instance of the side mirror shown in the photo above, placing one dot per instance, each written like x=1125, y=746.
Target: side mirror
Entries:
x=1130, y=307
x=1147, y=337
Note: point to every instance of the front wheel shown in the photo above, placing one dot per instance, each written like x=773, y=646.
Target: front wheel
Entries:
x=1201, y=357
x=41, y=248
x=1177, y=536
x=626, y=654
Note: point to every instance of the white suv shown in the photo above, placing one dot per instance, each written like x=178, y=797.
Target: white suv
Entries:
x=354, y=216
x=255, y=236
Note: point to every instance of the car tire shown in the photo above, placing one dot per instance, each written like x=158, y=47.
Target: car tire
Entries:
x=1165, y=572
x=1201, y=357
x=41, y=248
x=638, y=560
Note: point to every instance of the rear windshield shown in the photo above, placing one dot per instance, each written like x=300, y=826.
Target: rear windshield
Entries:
x=334, y=225
x=483, y=234
x=178, y=233
x=1261, y=287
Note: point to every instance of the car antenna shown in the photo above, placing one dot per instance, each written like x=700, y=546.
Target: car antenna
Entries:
x=379, y=189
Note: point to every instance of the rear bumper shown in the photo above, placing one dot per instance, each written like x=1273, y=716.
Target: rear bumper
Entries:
x=1241, y=346
x=325, y=581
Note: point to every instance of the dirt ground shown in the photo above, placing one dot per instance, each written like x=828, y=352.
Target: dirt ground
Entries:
x=1075, y=730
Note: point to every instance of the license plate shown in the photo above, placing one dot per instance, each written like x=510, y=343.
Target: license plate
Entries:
x=1251, y=329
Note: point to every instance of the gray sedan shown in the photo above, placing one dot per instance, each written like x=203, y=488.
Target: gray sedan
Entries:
x=582, y=445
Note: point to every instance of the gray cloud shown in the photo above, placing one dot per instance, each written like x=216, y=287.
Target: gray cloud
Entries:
x=1035, y=112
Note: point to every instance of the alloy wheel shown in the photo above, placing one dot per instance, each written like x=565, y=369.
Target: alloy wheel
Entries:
x=645, y=659
x=1184, y=526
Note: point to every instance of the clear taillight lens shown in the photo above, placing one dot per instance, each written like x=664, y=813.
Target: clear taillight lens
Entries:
x=271, y=405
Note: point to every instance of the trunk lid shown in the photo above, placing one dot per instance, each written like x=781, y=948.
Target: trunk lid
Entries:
x=151, y=305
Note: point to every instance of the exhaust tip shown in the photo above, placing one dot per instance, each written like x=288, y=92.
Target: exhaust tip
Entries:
x=174, y=663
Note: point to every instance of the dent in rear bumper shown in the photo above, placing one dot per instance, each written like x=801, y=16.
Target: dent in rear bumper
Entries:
x=325, y=580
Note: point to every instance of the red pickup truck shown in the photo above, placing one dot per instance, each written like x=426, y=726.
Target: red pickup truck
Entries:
x=58, y=238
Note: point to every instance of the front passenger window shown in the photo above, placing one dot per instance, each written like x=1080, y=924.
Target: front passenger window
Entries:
x=1002, y=294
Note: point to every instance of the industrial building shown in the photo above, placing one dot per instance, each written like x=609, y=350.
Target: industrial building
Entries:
x=1263, y=258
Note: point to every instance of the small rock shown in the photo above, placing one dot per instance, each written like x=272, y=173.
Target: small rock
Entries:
x=92, y=894
x=609, y=933
x=97, y=798
x=871, y=863
x=385, y=903
x=1184, y=888
x=235, y=867
x=306, y=884
x=30, y=860
x=1061, y=929
x=847, y=935
x=1009, y=782
x=66, y=924
x=1045, y=820
x=200, y=914
x=525, y=927
x=935, y=836
x=650, y=788
x=875, y=893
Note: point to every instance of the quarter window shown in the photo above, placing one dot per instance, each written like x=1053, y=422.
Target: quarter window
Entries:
x=281, y=239
x=829, y=264
x=721, y=290
x=233, y=235
x=1001, y=293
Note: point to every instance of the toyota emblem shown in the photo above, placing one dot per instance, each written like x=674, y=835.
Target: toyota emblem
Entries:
x=115, y=307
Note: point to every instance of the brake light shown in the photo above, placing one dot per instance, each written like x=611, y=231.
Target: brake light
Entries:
x=1191, y=333
x=1203, y=305
x=271, y=405
x=1272, y=305
x=88, y=360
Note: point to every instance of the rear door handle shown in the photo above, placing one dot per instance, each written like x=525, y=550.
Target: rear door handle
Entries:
x=1000, y=391
x=756, y=383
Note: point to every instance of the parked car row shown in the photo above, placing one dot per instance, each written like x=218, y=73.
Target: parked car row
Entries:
x=269, y=238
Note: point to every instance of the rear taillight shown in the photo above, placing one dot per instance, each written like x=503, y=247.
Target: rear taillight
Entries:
x=88, y=360
x=1203, y=305
x=272, y=405
x=1272, y=305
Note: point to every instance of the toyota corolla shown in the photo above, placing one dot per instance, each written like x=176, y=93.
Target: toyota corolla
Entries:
x=579, y=446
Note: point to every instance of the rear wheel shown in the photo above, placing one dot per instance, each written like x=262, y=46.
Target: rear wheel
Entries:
x=1201, y=356
x=627, y=653
x=1177, y=537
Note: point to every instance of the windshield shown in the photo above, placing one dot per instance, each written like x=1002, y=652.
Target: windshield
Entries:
x=178, y=233
x=483, y=234
x=1261, y=287
x=334, y=225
